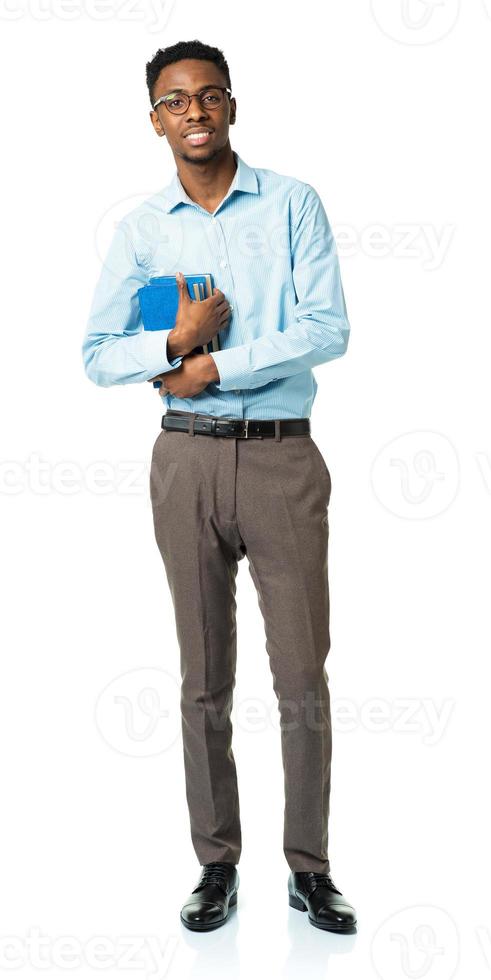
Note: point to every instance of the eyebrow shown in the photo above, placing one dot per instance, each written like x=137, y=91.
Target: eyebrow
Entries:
x=172, y=90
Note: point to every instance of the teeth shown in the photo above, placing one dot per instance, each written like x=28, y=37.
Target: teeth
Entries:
x=195, y=135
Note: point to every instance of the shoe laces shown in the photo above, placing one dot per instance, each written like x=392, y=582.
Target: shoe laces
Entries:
x=317, y=879
x=214, y=873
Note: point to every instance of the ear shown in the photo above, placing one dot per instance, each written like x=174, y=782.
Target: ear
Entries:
x=157, y=125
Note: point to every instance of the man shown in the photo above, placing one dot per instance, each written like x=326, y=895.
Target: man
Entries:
x=235, y=471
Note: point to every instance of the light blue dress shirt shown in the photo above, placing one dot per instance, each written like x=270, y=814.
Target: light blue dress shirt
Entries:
x=270, y=249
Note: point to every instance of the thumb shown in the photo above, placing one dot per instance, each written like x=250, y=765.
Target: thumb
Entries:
x=182, y=288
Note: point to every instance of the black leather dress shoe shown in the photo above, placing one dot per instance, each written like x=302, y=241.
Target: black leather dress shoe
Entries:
x=317, y=894
x=215, y=894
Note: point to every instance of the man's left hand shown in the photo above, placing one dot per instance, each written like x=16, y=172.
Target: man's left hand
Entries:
x=194, y=373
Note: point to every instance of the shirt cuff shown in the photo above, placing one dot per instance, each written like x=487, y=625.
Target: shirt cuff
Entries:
x=233, y=368
x=174, y=361
x=153, y=353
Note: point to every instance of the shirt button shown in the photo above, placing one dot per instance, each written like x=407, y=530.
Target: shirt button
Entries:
x=213, y=221
x=223, y=264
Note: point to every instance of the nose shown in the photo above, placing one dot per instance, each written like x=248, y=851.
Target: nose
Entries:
x=195, y=109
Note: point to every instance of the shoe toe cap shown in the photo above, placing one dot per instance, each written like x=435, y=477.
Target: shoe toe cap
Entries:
x=209, y=912
x=337, y=915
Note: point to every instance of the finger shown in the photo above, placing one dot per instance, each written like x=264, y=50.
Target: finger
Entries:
x=223, y=304
x=213, y=300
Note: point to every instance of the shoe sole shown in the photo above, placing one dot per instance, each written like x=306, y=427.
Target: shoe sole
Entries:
x=206, y=926
x=296, y=903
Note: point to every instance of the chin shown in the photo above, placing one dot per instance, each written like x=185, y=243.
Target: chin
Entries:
x=200, y=157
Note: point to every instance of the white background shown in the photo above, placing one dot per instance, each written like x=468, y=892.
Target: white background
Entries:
x=384, y=108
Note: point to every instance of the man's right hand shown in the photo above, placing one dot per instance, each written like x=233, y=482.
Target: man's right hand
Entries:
x=197, y=321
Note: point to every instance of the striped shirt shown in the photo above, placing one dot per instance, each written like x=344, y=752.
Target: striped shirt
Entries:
x=270, y=249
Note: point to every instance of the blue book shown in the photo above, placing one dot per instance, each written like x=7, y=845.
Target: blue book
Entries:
x=159, y=301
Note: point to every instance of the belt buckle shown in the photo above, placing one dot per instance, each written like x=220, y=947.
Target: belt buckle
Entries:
x=240, y=435
x=246, y=432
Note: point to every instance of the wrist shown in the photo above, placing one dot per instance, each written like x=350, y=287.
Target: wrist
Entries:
x=211, y=370
x=177, y=346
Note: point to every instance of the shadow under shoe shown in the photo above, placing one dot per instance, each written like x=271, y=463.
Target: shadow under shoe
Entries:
x=316, y=893
x=209, y=904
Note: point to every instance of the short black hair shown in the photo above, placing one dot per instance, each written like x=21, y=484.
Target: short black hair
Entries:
x=177, y=52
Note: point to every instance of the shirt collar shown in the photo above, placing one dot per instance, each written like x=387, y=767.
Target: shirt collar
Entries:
x=245, y=179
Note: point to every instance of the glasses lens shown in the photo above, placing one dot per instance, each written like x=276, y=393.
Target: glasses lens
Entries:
x=211, y=98
x=178, y=102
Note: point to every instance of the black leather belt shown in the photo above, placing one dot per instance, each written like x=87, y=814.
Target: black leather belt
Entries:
x=213, y=425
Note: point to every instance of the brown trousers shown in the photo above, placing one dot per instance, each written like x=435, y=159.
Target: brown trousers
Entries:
x=214, y=500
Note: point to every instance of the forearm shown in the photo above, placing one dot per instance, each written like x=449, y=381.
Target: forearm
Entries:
x=111, y=359
x=280, y=355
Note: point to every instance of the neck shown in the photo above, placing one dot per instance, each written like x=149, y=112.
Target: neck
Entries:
x=208, y=181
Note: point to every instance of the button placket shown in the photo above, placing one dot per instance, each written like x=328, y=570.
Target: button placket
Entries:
x=222, y=252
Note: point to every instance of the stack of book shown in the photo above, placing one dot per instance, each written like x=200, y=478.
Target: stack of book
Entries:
x=159, y=301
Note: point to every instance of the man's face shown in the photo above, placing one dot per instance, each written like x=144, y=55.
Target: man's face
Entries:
x=192, y=75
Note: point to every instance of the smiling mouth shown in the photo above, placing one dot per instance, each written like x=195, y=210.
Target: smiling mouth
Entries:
x=198, y=138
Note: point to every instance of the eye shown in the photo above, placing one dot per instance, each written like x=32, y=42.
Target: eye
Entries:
x=174, y=100
x=211, y=97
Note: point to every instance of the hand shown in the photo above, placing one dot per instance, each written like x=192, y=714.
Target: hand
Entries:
x=194, y=373
x=197, y=322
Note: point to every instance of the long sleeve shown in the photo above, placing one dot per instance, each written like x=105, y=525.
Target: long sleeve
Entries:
x=321, y=330
x=116, y=349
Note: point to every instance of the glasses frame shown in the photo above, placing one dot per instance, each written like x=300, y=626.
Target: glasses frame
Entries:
x=163, y=99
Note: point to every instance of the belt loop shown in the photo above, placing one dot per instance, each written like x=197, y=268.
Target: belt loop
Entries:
x=277, y=430
x=192, y=416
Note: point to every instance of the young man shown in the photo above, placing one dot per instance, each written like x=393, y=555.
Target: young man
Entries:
x=235, y=471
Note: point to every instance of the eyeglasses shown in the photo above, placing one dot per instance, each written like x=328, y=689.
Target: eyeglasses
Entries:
x=179, y=102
